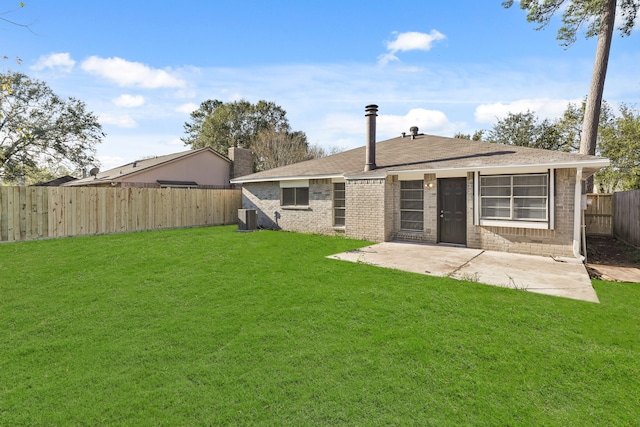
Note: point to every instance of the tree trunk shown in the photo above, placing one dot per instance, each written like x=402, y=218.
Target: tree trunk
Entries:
x=594, y=100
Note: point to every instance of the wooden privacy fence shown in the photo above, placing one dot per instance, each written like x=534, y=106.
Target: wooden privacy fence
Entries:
x=598, y=217
x=626, y=221
x=28, y=213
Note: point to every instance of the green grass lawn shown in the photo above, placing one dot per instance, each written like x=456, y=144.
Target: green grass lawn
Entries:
x=212, y=327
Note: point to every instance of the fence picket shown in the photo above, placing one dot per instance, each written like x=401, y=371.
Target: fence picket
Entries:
x=626, y=210
x=28, y=213
x=599, y=215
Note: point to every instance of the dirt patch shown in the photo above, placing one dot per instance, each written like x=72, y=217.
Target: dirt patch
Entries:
x=609, y=251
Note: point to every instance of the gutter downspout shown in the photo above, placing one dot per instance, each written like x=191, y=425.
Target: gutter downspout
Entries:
x=577, y=215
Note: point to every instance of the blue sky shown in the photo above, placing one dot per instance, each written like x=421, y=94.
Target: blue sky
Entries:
x=447, y=67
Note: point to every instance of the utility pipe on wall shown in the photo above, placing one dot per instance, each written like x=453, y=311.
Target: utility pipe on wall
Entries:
x=577, y=215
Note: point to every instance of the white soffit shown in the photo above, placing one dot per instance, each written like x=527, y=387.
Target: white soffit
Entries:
x=414, y=176
x=294, y=183
x=240, y=180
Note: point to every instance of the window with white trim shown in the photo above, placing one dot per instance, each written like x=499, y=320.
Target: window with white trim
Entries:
x=515, y=197
x=339, y=204
x=412, y=205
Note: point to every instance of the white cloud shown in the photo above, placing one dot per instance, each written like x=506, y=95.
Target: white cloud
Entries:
x=185, y=94
x=409, y=41
x=327, y=101
x=127, y=100
x=61, y=61
x=342, y=126
x=110, y=162
x=427, y=121
x=127, y=73
x=176, y=141
x=542, y=107
x=187, y=108
x=236, y=96
x=414, y=41
x=385, y=58
x=119, y=121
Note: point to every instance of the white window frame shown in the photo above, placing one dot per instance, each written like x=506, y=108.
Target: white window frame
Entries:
x=342, y=208
x=547, y=223
x=421, y=188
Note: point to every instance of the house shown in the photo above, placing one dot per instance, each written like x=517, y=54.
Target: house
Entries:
x=57, y=181
x=201, y=168
x=431, y=189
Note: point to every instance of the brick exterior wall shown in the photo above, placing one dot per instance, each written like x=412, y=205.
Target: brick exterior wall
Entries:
x=316, y=218
x=429, y=233
x=369, y=212
x=557, y=242
x=373, y=213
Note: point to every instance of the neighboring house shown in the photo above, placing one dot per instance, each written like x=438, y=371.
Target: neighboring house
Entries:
x=431, y=189
x=202, y=168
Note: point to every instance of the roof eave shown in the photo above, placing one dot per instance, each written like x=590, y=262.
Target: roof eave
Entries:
x=595, y=164
x=240, y=180
x=377, y=174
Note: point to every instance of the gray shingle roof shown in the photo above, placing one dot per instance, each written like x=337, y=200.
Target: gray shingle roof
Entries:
x=427, y=153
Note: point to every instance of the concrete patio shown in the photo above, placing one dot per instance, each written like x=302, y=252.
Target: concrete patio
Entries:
x=562, y=277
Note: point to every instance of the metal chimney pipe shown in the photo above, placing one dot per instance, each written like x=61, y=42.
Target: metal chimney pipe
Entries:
x=371, y=114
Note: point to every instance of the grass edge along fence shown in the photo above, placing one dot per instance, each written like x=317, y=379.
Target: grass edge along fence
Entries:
x=28, y=213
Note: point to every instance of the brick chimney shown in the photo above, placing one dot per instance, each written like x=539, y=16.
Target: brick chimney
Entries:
x=371, y=112
x=242, y=161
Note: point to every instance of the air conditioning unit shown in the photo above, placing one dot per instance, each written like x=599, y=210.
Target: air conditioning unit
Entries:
x=247, y=219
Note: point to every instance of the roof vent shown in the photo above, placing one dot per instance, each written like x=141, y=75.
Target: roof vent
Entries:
x=371, y=112
x=414, y=131
x=93, y=172
x=134, y=164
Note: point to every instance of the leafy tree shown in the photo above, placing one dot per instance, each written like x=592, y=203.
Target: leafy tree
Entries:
x=526, y=130
x=477, y=135
x=35, y=175
x=198, y=118
x=599, y=17
x=618, y=140
x=621, y=144
x=222, y=125
x=38, y=129
x=569, y=126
